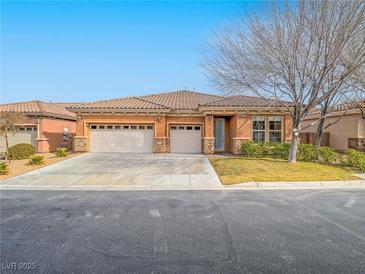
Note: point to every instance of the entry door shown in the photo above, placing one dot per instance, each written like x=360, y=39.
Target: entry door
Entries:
x=219, y=134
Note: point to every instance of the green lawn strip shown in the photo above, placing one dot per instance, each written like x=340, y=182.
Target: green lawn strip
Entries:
x=239, y=170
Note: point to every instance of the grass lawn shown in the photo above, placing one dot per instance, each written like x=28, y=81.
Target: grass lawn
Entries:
x=240, y=170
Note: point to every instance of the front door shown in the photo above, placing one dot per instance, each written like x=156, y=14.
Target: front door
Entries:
x=219, y=134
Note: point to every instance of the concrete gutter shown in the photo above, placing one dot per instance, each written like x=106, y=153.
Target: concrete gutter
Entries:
x=298, y=185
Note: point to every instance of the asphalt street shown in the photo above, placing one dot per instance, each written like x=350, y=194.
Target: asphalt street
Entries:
x=253, y=231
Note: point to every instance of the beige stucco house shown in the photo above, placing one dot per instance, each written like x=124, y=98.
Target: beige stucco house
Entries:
x=179, y=122
x=348, y=132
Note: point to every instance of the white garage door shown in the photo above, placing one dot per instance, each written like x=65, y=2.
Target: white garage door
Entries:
x=121, y=138
x=185, y=139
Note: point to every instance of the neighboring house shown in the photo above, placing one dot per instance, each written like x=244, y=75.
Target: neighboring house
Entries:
x=178, y=122
x=347, y=131
x=43, y=125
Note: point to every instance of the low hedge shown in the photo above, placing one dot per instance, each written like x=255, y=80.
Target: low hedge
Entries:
x=306, y=153
x=355, y=159
x=21, y=151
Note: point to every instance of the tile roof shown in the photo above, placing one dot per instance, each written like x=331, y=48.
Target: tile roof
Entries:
x=122, y=103
x=40, y=108
x=342, y=107
x=182, y=100
x=178, y=100
x=245, y=101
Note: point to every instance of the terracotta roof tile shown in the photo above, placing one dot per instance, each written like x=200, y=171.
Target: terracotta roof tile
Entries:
x=122, y=103
x=342, y=107
x=246, y=101
x=181, y=100
x=40, y=108
x=178, y=100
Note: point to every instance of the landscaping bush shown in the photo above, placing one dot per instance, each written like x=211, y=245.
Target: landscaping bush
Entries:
x=4, y=168
x=21, y=151
x=36, y=159
x=61, y=152
x=281, y=151
x=251, y=149
x=307, y=153
x=327, y=155
x=355, y=159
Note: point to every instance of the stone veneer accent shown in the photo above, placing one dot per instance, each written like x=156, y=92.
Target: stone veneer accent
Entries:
x=237, y=143
x=357, y=143
x=161, y=145
x=81, y=143
x=208, y=145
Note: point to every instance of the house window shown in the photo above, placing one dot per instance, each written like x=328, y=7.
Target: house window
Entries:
x=258, y=129
x=189, y=128
x=109, y=127
x=101, y=127
x=142, y=127
x=173, y=128
x=197, y=128
x=116, y=127
x=133, y=127
x=93, y=127
x=275, y=129
x=149, y=127
x=125, y=127
x=22, y=129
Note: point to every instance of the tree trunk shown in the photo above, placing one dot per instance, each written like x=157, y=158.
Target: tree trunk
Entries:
x=294, y=145
x=320, y=130
x=7, y=158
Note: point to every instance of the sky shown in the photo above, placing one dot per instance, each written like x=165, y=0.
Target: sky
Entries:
x=69, y=51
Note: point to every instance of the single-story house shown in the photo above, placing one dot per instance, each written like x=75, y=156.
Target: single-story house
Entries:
x=348, y=129
x=179, y=122
x=44, y=125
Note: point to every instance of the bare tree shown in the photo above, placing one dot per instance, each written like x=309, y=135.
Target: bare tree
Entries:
x=289, y=53
x=8, y=122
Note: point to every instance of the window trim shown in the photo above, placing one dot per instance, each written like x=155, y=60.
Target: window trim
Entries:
x=259, y=130
x=267, y=127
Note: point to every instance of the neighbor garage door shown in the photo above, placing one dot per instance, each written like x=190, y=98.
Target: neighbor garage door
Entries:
x=185, y=138
x=121, y=138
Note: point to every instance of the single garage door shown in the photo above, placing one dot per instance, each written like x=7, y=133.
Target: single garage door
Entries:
x=121, y=138
x=185, y=138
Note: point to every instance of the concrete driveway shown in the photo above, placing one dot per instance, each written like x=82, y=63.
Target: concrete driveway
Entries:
x=122, y=171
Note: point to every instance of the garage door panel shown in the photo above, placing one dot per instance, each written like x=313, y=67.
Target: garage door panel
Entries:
x=133, y=141
x=185, y=139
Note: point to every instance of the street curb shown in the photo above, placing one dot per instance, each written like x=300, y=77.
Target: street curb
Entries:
x=298, y=185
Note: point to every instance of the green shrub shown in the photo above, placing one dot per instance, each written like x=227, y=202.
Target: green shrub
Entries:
x=21, y=151
x=251, y=149
x=61, y=152
x=4, y=168
x=307, y=153
x=281, y=151
x=36, y=159
x=327, y=155
x=267, y=148
x=355, y=159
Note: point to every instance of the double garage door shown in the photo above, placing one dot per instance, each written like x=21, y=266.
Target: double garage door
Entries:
x=139, y=138
x=121, y=138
